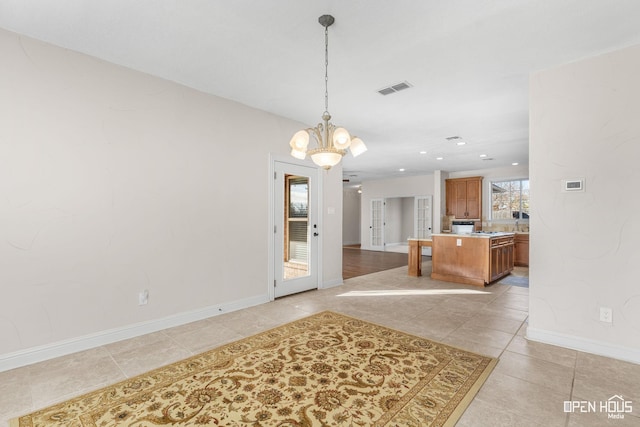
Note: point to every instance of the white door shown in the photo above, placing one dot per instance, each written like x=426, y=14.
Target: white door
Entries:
x=296, y=228
x=376, y=228
x=423, y=220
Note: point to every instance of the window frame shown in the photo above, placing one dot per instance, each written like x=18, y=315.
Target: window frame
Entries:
x=490, y=200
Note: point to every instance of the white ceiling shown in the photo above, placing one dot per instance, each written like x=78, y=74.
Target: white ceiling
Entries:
x=467, y=60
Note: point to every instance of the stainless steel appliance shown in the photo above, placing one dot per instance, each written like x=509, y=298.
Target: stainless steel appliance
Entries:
x=462, y=227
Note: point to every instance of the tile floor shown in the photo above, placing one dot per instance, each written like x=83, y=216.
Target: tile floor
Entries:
x=527, y=387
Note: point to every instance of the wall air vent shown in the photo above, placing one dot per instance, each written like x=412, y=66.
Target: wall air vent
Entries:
x=394, y=88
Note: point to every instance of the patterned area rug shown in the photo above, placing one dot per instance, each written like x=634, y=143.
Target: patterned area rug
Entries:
x=324, y=370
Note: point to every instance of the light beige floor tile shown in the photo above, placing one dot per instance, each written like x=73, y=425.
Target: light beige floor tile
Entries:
x=512, y=301
x=519, y=290
x=280, y=312
x=72, y=375
x=527, y=388
x=536, y=371
x=188, y=327
x=138, y=355
x=205, y=338
x=15, y=394
x=551, y=353
x=599, y=378
x=502, y=311
x=435, y=324
x=482, y=335
x=312, y=304
x=484, y=414
x=465, y=306
x=503, y=324
x=601, y=420
x=246, y=322
x=472, y=346
x=522, y=397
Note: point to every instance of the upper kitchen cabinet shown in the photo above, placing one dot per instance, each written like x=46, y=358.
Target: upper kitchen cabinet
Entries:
x=464, y=197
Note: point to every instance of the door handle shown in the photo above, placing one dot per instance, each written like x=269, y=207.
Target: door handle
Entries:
x=315, y=234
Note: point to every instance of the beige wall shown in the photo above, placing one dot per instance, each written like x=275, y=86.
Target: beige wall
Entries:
x=584, y=123
x=351, y=217
x=113, y=181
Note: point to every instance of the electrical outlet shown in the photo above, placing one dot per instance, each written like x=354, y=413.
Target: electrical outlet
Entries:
x=458, y=242
x=143, y=297
x=606, y=315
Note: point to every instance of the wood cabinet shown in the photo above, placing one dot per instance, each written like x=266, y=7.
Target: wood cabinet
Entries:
x=521, y=249
x=473, y=260
x=501, y=258
x=464, y=197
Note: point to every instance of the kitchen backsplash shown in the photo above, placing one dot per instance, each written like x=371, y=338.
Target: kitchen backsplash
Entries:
x=489, y=226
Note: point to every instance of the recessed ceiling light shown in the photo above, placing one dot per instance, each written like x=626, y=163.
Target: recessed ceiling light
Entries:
x=483, y=155
x=423, y=152
x=514, y=164
x=401, y=169
x=439, y=158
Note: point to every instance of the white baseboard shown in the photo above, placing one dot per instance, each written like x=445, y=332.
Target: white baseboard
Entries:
x=583, y=344
x=332, y=283
x=49, y=351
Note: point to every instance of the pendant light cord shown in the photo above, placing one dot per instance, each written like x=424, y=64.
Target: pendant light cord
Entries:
x=326, y=69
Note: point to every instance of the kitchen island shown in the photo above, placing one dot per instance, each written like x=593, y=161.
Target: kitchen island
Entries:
x=415, y=255
x=474, y=259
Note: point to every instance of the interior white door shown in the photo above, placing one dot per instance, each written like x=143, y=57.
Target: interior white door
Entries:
x=376, y=228
x=423, y=217
x=296, y=228
x=423, y=220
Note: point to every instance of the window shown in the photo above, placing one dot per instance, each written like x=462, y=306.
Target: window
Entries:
x=510, y=199
x=297, y=221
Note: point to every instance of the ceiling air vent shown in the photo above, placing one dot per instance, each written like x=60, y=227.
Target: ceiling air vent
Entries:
x=394, y=88
x=452, y=138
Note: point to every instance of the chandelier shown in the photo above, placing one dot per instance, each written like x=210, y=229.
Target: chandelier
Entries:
x=332, y=142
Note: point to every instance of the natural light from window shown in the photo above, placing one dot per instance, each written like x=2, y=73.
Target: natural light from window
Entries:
x=405, y=292
x=510, y=199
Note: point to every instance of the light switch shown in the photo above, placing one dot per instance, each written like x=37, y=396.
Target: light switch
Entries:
x=458, y=242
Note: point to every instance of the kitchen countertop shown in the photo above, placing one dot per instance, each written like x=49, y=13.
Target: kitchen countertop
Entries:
x=480, y=234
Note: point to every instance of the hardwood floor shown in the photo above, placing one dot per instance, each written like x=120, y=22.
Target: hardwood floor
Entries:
x=358, y=262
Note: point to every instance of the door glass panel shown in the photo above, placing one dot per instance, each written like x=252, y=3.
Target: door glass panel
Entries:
x=376, y=222
x=423, y=218
x=296, y=233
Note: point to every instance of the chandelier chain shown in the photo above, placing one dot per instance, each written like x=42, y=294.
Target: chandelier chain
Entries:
x=326, y=69
x=331, y=142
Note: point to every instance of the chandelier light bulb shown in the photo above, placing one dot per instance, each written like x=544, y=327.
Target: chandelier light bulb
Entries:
x=298, y=154
x=300, y=140
x=341, y=139
x=357, y=147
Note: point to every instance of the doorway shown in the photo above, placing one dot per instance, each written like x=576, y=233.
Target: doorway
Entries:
x=396, y=219
x=296, y=233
